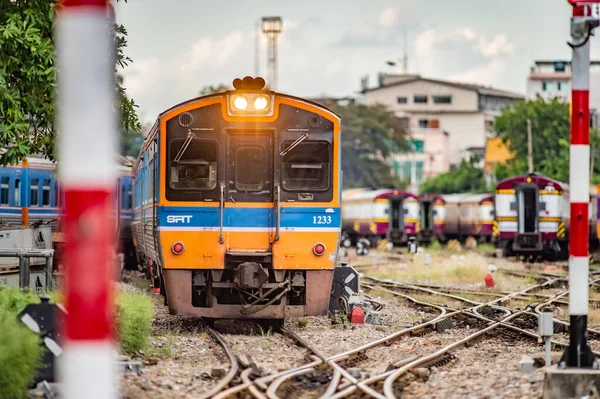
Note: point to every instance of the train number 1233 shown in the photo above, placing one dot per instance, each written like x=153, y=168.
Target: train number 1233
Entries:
x=321, y=219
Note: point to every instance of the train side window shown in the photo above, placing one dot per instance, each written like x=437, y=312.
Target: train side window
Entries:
x=194, y=167
x=4, y=190
x=542, y=206
x=56, y=194
x=46, y=192
x=306, y=167
x=33, y=192
x=249, y=168
x=513, y=206
x=17, y=192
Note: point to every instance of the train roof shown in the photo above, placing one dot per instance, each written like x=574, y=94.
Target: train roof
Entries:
x=380, y=194
x=477, y=198
x=221, y=94
x=349, y=193
x=467, y=198
x=533, y=178
x=432, y=197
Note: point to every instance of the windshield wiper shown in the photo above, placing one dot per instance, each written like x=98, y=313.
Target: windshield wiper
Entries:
x=184, y=146
x=294, y=144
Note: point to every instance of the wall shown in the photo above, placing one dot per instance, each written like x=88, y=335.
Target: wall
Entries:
x=462, y=99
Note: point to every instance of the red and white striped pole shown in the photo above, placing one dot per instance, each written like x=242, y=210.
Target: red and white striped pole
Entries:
x=578, y=354
x=87, y=169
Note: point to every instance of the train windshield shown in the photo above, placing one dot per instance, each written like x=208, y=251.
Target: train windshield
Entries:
x=196, y=168
x=306, y=167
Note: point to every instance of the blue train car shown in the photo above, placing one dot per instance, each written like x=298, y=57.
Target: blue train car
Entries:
x=30, y=194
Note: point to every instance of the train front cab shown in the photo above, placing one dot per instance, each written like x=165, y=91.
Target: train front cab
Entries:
x=426, y=215
x=528, y=236
x=249, y=216
x=403, y=217
x=431, y=215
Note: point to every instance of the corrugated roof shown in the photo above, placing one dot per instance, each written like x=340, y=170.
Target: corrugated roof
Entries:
x=480, y=89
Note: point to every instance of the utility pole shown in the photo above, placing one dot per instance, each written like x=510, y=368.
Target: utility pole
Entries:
x=578, y=354
x=271, y=27
x=405, y=56
x=257, y=49
x=529, y=146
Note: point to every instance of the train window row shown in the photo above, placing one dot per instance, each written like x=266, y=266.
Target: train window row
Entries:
x=10, y=192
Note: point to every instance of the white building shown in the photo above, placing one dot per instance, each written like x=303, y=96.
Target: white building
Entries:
x=466, y=112
x=550, y=79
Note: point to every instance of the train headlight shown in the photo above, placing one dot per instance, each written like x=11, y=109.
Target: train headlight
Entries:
x=261, y=103
x=240, y=103
x=319, y=249
x=178, y=248
x=250, y=104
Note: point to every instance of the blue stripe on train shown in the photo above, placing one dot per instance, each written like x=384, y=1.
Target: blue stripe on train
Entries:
x=248, y=217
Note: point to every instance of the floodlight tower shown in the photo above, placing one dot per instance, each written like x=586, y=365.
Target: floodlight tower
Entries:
x=271, y=27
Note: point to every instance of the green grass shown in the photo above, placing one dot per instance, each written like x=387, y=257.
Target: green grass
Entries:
x=20, y=350
x=134, y=317
x=435, y=246
x=20, y=356
x=303, y=322
x=165, y=350
x=487, y=247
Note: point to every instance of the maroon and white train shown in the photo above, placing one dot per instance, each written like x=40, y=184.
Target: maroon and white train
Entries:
x=532, y=216
x=467, y=215
x=380, y=214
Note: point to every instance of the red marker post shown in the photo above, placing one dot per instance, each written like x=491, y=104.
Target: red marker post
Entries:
x=87, y=170
x=578, y=354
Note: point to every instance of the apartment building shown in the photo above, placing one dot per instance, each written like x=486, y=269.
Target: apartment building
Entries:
x=550, y=79
x=463, y=113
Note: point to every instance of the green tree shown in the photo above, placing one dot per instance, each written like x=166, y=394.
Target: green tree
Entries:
x=206, y=90
x=466, y=178
x=27, y=79
x=550, y=136
x=369, y=135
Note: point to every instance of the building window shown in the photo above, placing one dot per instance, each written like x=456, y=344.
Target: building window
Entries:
x=547, y=86
x=423, y=123
x=442, y=99
x=419, y=171
x=562, y=86
x=401, y=100
x=420, y=99
x=416, y=145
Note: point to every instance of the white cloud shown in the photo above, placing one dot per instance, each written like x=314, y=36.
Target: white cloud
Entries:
x=388, y=17
x=209, y=51
x=445, y=54
x=498, y=45
x=386, y=31
x=482, y=74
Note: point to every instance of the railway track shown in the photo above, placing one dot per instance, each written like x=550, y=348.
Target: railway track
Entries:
x=478, y=316
x=342, y=383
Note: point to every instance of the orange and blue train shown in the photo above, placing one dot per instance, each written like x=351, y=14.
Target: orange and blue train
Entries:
x=237, y=204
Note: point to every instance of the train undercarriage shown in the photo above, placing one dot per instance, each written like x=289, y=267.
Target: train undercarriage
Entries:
x=248, y=287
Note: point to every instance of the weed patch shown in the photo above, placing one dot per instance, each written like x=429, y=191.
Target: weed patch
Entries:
x=134, y=316
x=302, y=322
x=20, y=350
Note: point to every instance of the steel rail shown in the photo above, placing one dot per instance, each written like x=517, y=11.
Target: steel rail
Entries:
x=233, y=370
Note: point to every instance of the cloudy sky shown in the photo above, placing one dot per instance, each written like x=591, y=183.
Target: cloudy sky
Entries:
x=179, y=46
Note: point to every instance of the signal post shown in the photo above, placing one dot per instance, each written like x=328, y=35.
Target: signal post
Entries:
x=87, y=170
x=577, y=368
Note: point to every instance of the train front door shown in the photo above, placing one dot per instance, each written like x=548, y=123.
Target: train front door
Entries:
x=527, y=200
x=249, y=192
x=396, y=219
